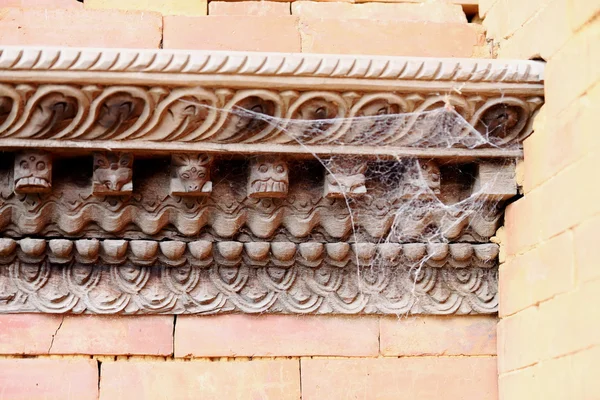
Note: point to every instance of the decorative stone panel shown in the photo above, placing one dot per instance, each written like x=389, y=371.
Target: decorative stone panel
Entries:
x=152, y=181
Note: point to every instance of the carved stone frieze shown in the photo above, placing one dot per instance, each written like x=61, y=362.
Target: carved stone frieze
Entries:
x=76, y=288
x=204, y=182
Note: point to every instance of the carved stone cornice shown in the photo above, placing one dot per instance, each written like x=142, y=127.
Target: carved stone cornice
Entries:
x=204, y=182
x=158, y=100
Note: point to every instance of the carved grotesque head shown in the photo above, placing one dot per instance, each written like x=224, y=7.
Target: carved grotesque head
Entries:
x=33, y=172
x=190, y=175
x=431, y=174
x=113, y=173
x=345, y=178
x=268, y=178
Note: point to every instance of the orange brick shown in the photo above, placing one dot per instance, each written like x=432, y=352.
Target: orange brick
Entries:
x=569, y=377
x=278, y=34
x=74, y=334
x=460, y=335
x=570, y=322
x=521, y=236
x=573, y=69
x=79, y=28
x=542, y=36
x=432, y=12
x=485, y=6
x=587, y=251
x=422, y=378
x=388, y=37
x=272, y=379
x=254, y=8
x=569, y=198
x=27, y=333
x=41, y=3
x=171, y=7
x=506, y=16
x=276, y=335
x=29, y=379
x=537, y=275
x=582, y=11
x=94, y=334
x=519, y=340
x=520, y=384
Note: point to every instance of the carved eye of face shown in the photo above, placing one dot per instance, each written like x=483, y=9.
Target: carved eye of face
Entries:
x=201, y=174
x=382, y=111
x=185, y=175
x=101, y=163
x=40, y=165
x=24, y=164
x=124, y=162
x=279, y=168
x=321, y=113
x=263, y=168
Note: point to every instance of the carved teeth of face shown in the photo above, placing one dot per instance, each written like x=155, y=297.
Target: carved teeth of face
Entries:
x=32, y=181
x=269, y=185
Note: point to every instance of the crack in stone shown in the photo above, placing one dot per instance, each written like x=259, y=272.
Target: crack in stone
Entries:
x=55, y=333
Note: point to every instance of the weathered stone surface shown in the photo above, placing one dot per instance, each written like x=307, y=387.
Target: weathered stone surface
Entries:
x=80, y=28
x=52, y=379
x=438, y=336
x=272, y=379
x=423, y=378
x=388, y=37
x=232, y=32
x=276, y=335
x=171, y=7
x=249, y=8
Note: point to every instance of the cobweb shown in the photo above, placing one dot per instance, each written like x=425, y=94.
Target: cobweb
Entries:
x=405, y=199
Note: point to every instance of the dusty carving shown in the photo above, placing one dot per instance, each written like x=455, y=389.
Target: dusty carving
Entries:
x=190, y=175
x=76, y=288
x=33, y=172
x=113, y=174
x=345, y=178
x=268, y=178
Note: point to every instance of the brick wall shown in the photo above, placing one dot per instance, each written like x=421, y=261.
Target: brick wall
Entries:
x=241, y=357
x=548, y=341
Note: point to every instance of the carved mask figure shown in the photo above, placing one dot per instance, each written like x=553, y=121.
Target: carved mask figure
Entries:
x=346, y=179
x=113, y=173
x=190, y=175
x=33, y=172
x=268, y=178
x=431, y=175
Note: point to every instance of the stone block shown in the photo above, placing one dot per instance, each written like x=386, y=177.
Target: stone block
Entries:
x=242, y=33
x=276, y=335
x=154, y=380
x=80, y=28
x=427, y=12
x=388, y=37
x=51, y=379
x=249, y=8
x=170, y=7
x=423, y=378
x=441, y=336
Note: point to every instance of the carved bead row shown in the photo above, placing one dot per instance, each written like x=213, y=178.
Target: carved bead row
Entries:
x=228, y=253
x=195, y=114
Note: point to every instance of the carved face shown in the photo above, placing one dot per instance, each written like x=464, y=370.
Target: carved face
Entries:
x=268, y=178
x=113, y=173
x=431, y=174
x=338, y=185
x=33, y=172
x=191, y=175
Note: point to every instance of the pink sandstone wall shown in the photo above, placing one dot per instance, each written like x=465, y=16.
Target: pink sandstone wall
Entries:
x=243, y=357
x=548, y=336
